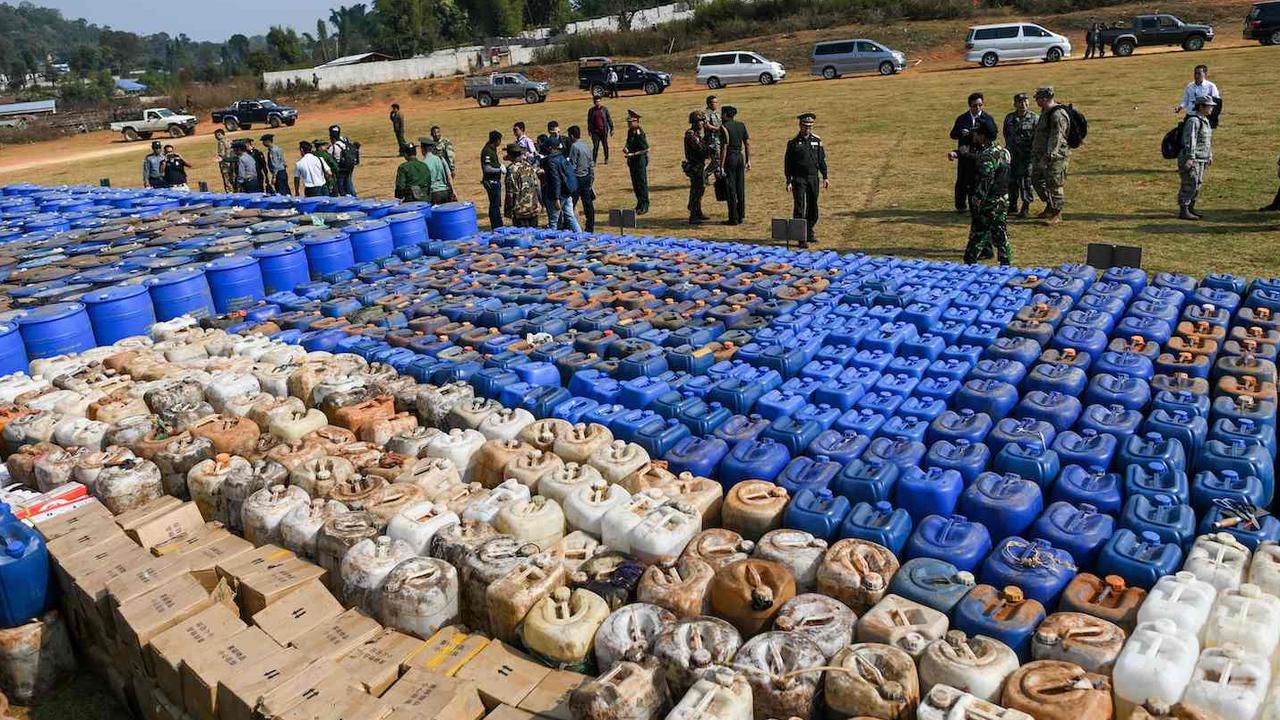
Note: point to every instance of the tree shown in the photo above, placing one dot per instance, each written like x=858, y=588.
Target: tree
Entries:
x=354, y=27
x=405, y=25
x=285, y=45
x=84, y=60
x=322, y=39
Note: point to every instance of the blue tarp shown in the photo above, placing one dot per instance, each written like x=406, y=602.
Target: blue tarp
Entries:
x=130, y=85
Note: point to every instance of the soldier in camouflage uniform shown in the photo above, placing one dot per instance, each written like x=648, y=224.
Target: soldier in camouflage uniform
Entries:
x=444, y=149
x=696, y=153
x=523, y=188
x=988, y=224
x=1019, y=130
x=1050, y=155
x=713, y=133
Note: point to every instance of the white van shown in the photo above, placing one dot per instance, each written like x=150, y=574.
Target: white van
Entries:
x=715, y=70
x=988, y=45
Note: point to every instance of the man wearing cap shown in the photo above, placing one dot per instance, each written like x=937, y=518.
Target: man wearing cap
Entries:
x=321, y=149
x=226, y=160
x=444, y=149
x=259, y=159
x=1050, y=155
x=347, y=156
x=438, y=183
x=152, y=175
x=989, y=204
x=491, y=177
x=636, y=151
x=413, y=178
x=397, y=125
x=1196, y=156
x=1019, y=130
x=735, y=158
x=962, y=132
x=522, y=186
x=696, y=153
x=277, y=168
x=805, y=159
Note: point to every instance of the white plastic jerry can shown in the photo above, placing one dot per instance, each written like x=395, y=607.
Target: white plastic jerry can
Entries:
x=528, y=469
x=784, y=670
x=943, y=702
x=318, y=477
x=621, y=519
x=902, y=623
x=419, y=596
x=1247, y=617
x=205, y=484
x=486, y=509
x=1218, y=559
x=128, y=485
x=628, y=633
x=874, y=679
x=225, y=385
x=296, y=424
x=628, y=691
x=1230, y=681
x=542, y=434
x=618, y=459
x=274, y=379
x=457, y=446
x=417, y=524
x=536, y=520
x=431, y=474
x=510, y=598
x=1264, y=571
x=561, y=628
x=557, y=484
x=976, y=664
x=574, y=549
x=721, y=694
x=365, y=566
x=664, y=533
x=505, y=424
x=581, y=442
x=586, y=507
x=824, y=620
x=264, y=510
x=1155, y=664
x=1182, y=598
x=719, y=547
x=469, y=414
x=413, y=443
x=300, y=527
x=796, y=549
x=81, y=432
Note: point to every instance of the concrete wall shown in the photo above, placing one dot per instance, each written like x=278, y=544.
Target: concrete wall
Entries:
x=465, y=60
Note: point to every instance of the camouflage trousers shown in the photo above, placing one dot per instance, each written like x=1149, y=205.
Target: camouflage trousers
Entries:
x=1049, y=177
x=1192, y=181
x=988, y=229
x=1020, y=189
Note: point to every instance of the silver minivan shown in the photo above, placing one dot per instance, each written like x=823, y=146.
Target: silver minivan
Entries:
x=718, y=69
x=838, y=57
x=988, y=45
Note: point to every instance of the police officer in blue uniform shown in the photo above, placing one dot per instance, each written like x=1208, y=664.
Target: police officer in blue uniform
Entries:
x=805, y=160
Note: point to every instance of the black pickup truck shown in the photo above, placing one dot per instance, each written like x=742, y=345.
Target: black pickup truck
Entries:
x=1148, y=30
x=593, y=75
x=244, y=114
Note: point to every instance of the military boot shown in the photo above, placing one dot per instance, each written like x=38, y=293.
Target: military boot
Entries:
x=1194, y=211
x=1053, y=218
x=1185, y=213
x=1045, y=213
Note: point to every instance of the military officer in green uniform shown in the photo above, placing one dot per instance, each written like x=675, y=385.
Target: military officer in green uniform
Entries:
x=989, y=209
x=443, y=149
x=413, y=177
x=636, y=151
x=1019, y=131
x=804, y=161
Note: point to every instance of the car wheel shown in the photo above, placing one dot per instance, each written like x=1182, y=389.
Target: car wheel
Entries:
x=714, y=83
x=176, y=131
x=1275, y=38
x=651, y=88
x=290, y=123
x=530, y=97
x=1193, y=43
x=1124, y=48
x=231, y=124
x=131, y=135
x=887, y=68
x=766, y=79
x=829, y=73
x=990, y=60
x=1054, y=55
x=485, y=99
x=597, y=90
x=275, y=121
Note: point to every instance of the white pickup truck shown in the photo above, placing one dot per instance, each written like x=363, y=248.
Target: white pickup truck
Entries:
x=156, y=120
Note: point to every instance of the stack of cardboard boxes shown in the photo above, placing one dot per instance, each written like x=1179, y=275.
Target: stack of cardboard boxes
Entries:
x=189, y=622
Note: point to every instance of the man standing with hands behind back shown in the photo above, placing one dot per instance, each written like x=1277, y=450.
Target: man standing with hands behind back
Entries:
x=962, y=132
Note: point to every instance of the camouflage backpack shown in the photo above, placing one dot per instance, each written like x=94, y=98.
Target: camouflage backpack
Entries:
x=525, y=189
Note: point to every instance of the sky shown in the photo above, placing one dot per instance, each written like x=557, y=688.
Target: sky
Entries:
x=208, y=20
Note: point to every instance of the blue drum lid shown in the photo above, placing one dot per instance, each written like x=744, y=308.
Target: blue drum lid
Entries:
x=114, y=293
x=277, y=249
x=451, y=207
x=271, y=238
x=322, y=237
x=172, y=277
x=403, y=217
x=365, y=226
x=413, y=207
x=230, y=262
x=50, y=313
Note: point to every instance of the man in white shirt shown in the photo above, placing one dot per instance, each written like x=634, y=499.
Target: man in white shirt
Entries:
x=310, y=173
x=524, y=141
x=1201, y=86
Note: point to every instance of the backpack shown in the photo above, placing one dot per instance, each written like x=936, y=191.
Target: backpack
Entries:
x=1077, y=126
x=350, y=155
x=1171, y=145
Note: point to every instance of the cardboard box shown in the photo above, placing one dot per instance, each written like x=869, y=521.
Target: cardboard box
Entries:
x=85, y=537
x=188, y=539
x=94, y=571
x=502, y=674
x=162, y=505
x=143, y=579
x=163, y=658
x=239, y=693
x=166, y=526
x=319, y=685
x=375, y=665
x=144, y=617
x=335, y=702
x=551, y=698
x=204, y=557
x=364, y=707
x=426, y=695
x=86, y=513
x=202, y=671
x=506, y=712
x=298, y=613
x=71, y=570
x=447, y=651
x=277, y=580
x=242, y=565
x=335, y=638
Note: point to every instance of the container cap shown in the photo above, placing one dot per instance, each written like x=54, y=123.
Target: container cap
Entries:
x=114, y=293
x=50, y=313
x=14, y=548
x=1150, y=538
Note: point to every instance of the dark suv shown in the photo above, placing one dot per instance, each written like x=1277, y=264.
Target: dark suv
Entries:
x=1263, y=23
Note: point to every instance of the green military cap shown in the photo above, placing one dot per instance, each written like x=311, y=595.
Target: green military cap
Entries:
x=633, y=114
x=807, y=118
x=1019, y=97
x=1205, y=100
x=426, y=142
x=515, y=149
x=1044, y=92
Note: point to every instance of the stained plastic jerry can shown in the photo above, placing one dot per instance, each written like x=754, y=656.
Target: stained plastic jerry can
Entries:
x=1058, y=690
x=1087, y=641
x=824, y=620
x=902, y=623
x=857, y=573
x=749, y=593
x=1218, y=559
x=1230, y=681
x=782, y=670
x=978, y=663
x=1006, y=615
x=1038, y=568
x=799, y=551
x=890, y=690
x=754, y=507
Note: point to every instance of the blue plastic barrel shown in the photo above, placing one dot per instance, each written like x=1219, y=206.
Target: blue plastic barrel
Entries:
x=119, y=312
x=235, y=282
x=370, y=240
x=184, y=291
x=328, y=251
x=407, y=228
x=283, y=266
x=13, y=356
x=56, y=329
x=452, y=221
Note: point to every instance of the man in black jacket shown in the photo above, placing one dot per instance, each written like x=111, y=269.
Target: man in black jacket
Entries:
x=600, y=128
x=962, y=133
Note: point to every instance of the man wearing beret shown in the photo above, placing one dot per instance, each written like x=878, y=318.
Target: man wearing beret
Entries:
x=636, y=151
x=804, y=161
x=1050, y=155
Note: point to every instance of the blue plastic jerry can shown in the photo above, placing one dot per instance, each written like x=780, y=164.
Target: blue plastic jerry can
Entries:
x=1006, y=504
x=924, y=408
x=1162, y=515
x=698, y=455
x=1191, y=431
x=1123, y=390
x=804, y=473
x=879, y=523
x=1011, y=431
x=994, y=398
x=24, y=572
x=817, y=512
x=1056, y=377
x=631, y=423
x=703, y=418
x=949, y=368
x=1114, y=420
x=968, y=459
x=1150, y=448
x=866, y=480
x=1022, y=350
x=896, y=451
x=1243, y=407
x=1078, y=529
x=1242, y=457
x=1059, y=410
x=1226, y=486
x=840, y=447
x=1140, y=560
x=1041, y=570
x=741, y=427
x=1032, y=461
x=793, y=433
x=761, y=459
x=1156, y=479
x=1002, y=369
x=1083, y=340
x=933, y=583
x=953, y=538
x=778, y=403
x=860, y=420
x=1226, y=430
x=965, y=424
x=1088, y=449
x=1181, y=401
x=934, y=491
x=904, y=427
x=1004, y=614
